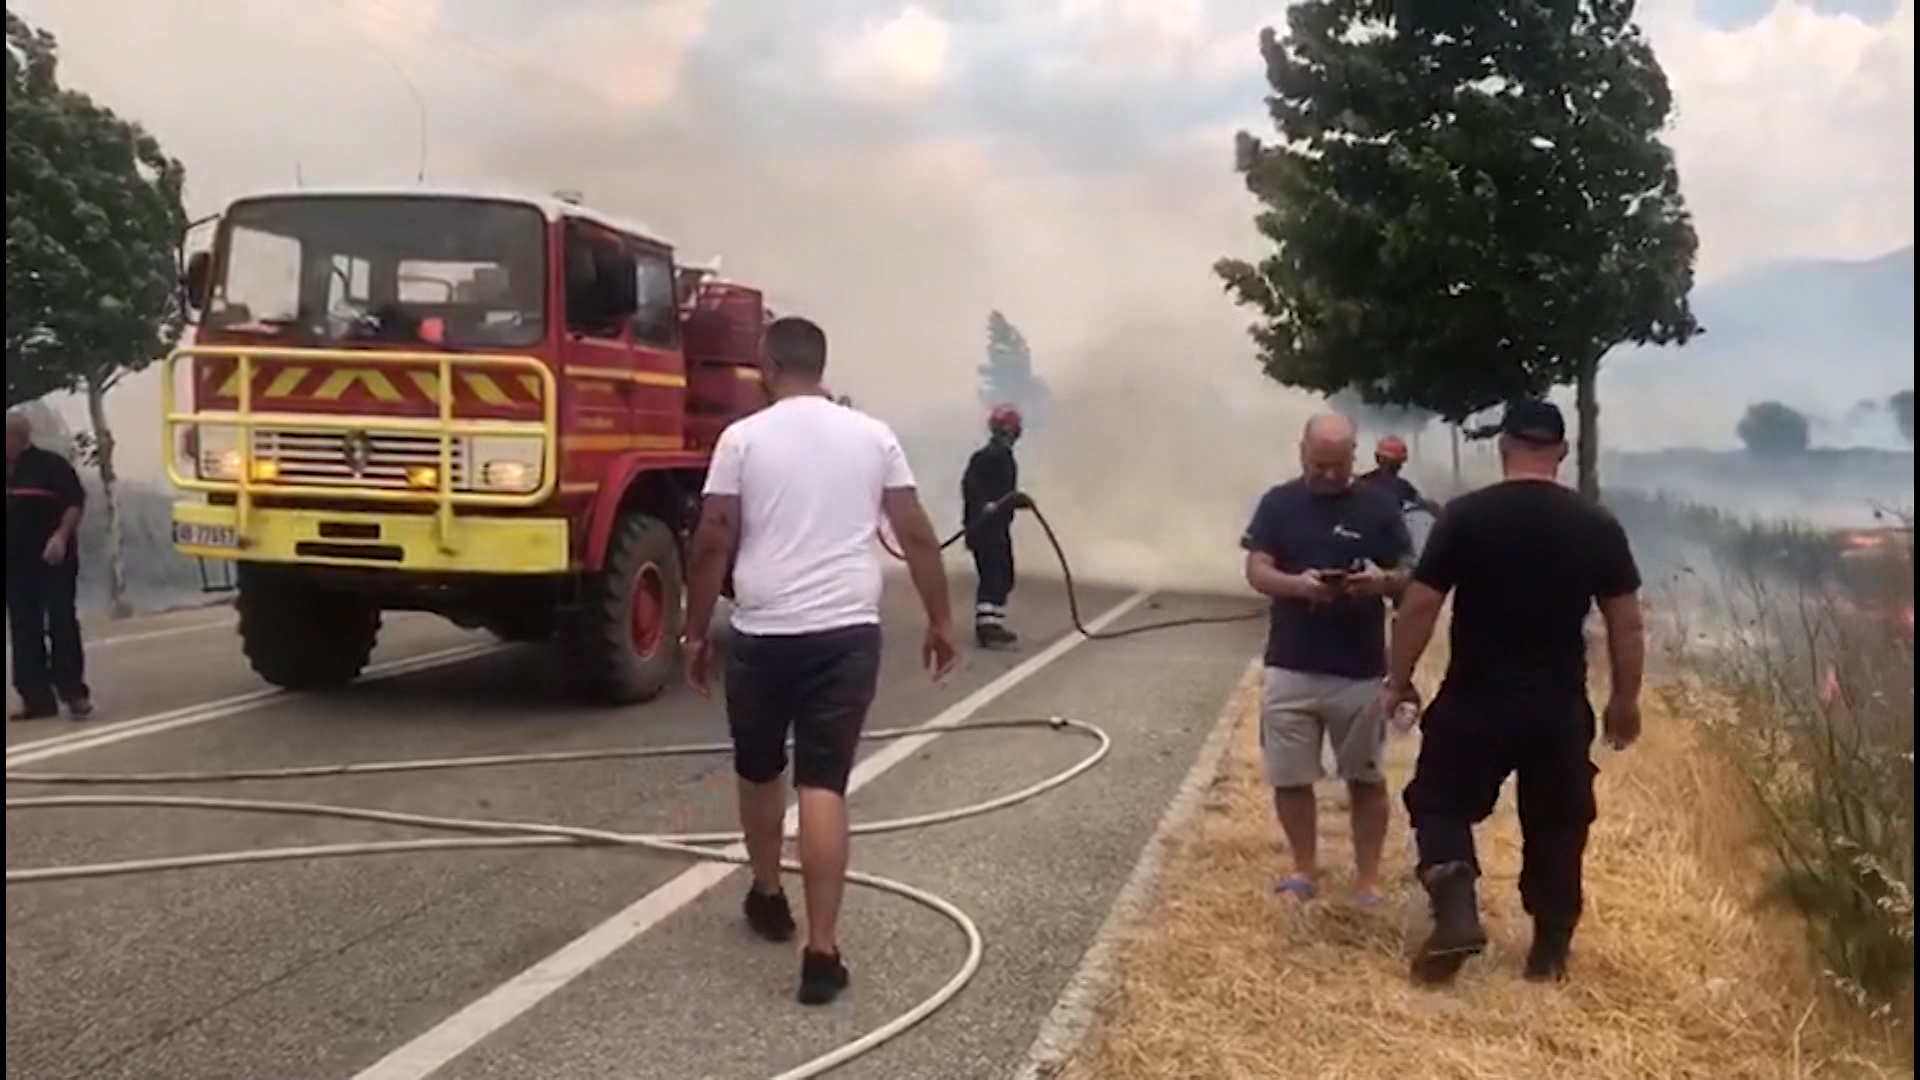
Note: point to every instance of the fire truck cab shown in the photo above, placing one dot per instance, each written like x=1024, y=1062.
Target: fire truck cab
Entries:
x=495, y=408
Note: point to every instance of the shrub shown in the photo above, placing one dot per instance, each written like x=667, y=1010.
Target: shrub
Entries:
x=1820, y=669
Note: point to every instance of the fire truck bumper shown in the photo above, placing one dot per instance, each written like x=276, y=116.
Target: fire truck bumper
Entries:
x=403, y=542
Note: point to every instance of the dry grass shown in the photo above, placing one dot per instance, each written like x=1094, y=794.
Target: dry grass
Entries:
x=1676, y=976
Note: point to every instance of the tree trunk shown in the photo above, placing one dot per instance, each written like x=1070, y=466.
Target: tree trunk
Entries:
x=1587, y=409
x=96, y=393
x=1454, y=433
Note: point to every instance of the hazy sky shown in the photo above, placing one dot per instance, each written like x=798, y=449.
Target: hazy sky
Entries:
x=897, y=169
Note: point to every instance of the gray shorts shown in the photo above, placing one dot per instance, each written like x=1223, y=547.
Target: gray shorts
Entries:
x=1301, y=711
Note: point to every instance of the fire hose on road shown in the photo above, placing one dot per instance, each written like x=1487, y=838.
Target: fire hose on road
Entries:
x=485, y=834
x=1072, y=588
x=526, y=834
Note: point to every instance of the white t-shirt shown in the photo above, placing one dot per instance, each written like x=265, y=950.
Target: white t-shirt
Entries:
x=809, y=475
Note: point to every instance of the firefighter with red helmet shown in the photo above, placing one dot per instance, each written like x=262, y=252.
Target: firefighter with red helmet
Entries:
x=1389, y=458
x=989, y=495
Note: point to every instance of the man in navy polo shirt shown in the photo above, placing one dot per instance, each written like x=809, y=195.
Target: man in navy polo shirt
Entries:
x=1329, y=553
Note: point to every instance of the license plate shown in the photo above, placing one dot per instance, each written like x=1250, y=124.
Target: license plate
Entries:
x=187, y=534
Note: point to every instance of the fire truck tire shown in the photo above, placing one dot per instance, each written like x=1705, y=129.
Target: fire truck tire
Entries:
x=298, y=636
x=628, y=631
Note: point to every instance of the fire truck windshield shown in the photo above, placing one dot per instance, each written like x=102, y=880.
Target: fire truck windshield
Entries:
x=403, y=270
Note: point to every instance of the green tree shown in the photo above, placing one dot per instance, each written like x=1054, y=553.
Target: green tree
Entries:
x=1901, y=405
x=1007, y=378
x=1774, y=429
x=94, y=222
x=1466, y=206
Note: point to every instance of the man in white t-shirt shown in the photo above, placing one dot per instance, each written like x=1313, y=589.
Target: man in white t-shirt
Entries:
x=793, y=499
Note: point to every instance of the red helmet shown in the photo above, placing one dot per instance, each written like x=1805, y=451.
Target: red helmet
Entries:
x=1391, y=449
x=1004, y=418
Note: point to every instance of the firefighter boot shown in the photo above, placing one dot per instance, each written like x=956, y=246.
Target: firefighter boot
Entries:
x=1457, y=934
x=1547, y=958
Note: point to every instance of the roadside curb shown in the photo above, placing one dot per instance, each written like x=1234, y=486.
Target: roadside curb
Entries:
x=1071, y=1019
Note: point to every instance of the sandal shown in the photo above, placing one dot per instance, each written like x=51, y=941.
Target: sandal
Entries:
x=1298, y=886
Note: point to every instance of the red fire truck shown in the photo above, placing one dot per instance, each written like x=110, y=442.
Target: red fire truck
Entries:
x=497, y=409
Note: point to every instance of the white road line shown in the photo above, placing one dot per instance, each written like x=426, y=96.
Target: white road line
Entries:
x=198, y=627
x=1066, y=1027
x=89, y=738
x=465, y=1029
x=195, y=627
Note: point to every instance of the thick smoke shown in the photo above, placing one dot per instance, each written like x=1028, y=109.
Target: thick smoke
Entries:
x=1155, y=453
x=897, y=233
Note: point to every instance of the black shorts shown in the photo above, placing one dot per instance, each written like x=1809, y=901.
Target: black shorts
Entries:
x=816, y=686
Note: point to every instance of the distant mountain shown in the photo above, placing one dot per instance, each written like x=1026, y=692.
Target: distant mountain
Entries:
x=1820, y=335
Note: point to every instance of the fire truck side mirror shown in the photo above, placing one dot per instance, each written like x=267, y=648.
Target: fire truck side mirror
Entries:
x=198, y=279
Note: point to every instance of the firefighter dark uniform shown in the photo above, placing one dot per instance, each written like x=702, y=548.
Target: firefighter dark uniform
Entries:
x=49, y=663
x=988, y=498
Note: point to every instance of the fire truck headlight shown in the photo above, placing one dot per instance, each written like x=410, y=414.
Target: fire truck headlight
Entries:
x=218, y=456
x=505, y=463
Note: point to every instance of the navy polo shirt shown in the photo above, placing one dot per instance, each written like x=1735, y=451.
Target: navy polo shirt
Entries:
x=1303, y=530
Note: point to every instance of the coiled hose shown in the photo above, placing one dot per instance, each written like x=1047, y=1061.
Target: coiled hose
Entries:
x=494, y=834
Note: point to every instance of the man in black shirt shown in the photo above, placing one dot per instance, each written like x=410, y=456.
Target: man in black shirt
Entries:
x=44, y=503
x=1526, y=560
x=1327, y=551
x=989, y=494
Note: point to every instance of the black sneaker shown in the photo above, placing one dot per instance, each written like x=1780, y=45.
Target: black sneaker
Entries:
x=769, y=915
x=822, y=977
x=33, y=712
x=80, y=708
x=1547, y=958
x=994, y=636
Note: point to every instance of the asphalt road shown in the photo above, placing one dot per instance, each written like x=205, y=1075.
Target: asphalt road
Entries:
x=142, y=667
x=370, y=969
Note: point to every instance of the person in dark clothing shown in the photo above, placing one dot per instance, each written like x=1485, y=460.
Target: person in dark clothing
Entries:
x=44, y=502
x=989, y=494
x=1526, y=560
x=1389, y=458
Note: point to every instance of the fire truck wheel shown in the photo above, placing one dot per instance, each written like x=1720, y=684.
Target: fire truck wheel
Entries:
x=630, y=627
x=301, y=637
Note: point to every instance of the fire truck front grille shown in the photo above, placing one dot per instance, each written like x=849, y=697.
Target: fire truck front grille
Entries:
x=370, y=459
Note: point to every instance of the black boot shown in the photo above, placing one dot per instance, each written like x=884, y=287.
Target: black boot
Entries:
x=1547, y=958
x=993, y=635
x=1457, y=934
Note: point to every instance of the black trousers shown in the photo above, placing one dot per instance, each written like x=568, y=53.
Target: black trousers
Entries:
x=49, y=661
x=1470, y=743
x=993, y=563
x=818, y=687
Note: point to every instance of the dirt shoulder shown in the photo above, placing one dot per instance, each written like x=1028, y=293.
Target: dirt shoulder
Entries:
x=1676, y=977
